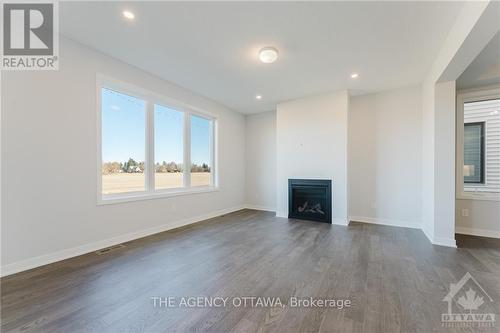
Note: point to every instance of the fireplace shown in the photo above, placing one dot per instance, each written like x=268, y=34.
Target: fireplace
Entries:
x=310, y=199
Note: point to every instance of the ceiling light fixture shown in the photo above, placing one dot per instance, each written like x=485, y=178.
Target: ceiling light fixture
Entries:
x=268, y=55
x=258, y=97
x=354, y=75
x=128, y=15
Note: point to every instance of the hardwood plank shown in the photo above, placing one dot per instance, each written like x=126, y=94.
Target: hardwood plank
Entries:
x=395, y=278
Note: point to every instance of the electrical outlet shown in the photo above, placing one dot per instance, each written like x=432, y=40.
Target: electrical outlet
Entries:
x=465, y=212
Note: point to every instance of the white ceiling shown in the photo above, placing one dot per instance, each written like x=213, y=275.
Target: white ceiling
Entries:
x=485, y=69
x=211, y=48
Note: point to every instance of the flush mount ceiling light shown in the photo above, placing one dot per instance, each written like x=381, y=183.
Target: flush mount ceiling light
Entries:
x=268, y=55
x=258, y=97
x=128, y=15
x=354, y=75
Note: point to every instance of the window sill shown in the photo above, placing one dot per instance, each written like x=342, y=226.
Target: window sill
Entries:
x=159, y=194
x=479, y=196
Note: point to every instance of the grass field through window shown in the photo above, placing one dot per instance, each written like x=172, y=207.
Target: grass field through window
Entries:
x=134, y=182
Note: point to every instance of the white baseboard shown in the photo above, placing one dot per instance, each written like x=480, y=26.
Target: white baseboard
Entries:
x=428, y=234
x=282, y=214
x=478, y=232
x=340, y=221
x=83, y=249
x=392, y=223
x=257, y=207
x=441, y=241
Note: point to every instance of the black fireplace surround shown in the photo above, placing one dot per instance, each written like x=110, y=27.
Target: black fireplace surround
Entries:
x=310, y=199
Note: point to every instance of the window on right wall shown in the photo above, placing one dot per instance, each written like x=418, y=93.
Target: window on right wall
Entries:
x=481, y=147
x=474, y=153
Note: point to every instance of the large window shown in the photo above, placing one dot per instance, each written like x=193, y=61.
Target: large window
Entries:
x=201, y=136
x=169, y=148
x=146, y=143
x=479, y=144
x=123, y=142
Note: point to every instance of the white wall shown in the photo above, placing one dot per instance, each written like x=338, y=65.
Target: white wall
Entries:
x=385, y=157
x=482, y=219
x=444, y=162
x=49, y=163
x=312, y=143
x=428, y=160
x=476, y=25
x=438, y=162
x=260, y=153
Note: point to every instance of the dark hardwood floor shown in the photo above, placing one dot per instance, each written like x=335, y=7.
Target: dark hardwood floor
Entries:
x=394, y=277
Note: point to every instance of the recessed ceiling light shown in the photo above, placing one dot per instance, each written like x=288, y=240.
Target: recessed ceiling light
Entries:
x=354, y=75
x=128, y=15
x=268, y=55
x=258, y=97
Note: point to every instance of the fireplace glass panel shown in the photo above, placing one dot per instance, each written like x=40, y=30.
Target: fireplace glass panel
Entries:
x=310, y=201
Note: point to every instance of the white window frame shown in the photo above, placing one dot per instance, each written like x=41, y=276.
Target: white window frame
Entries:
x=467, y=96
x=151, y=100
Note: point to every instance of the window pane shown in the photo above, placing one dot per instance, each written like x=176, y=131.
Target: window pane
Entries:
x=169, y=152
x=201, y=133
x=123, y=142
x=482, y=146
x=472, y=153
